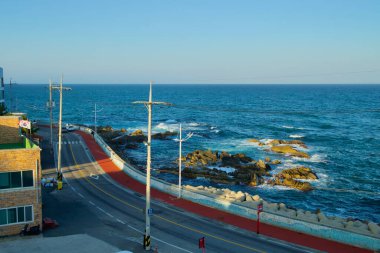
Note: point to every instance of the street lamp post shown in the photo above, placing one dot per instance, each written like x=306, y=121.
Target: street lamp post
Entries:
x=96, y=111
x=180, y=140
x=59, y=168
x=148, y=104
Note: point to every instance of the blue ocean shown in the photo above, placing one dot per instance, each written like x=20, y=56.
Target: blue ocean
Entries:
x=339, y=124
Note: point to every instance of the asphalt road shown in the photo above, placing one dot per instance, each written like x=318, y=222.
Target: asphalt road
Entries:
x=93, y=203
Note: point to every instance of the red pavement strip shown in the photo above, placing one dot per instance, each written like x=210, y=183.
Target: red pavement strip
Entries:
x=272, y=231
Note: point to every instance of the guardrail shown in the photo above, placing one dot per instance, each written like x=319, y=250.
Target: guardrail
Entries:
x=294, y=224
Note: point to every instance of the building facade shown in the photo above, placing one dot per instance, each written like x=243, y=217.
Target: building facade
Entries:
x=20, y=174
x=2, y=90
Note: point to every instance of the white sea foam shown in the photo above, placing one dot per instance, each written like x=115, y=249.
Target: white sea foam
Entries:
x=193, y=124
x=316, y=158
x=167, y=127
x=296, y=136
x=171, y=121
x=225, y=169
x=288, y=127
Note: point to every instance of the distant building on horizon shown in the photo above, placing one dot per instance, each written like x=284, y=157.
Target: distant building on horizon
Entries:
x=2, y=90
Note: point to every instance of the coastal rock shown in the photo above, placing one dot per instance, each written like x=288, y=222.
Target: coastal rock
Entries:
x=289, y=150
x=291, y=183
x=374, y=228
x=298, y=173
x=267, y=159
x=291, y=142
x=138, y=132
x=275, y=162
x=254, y=141
x=164, y=136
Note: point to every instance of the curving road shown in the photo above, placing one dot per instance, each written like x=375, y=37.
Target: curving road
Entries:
x=118, y=217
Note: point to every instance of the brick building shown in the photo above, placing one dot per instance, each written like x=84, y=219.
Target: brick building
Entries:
x=20, y=174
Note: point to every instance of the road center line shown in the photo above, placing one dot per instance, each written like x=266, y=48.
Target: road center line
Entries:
x=155, y=238
x=92, y=203
x=81, y=195
x=160, y=217
x=122, y=222
x=110, y=215
x=101, y=209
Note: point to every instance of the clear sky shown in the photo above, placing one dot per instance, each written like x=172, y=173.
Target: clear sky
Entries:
x=191, y=41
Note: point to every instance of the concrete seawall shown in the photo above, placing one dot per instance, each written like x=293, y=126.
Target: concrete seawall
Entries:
x=275, y=216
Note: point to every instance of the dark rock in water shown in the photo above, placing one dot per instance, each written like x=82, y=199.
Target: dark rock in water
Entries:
x=298, y=173
x=275, y=162
x=164, y=136
x=138, y=132
x=289, y=150
x=289, y=178
x=291, y=142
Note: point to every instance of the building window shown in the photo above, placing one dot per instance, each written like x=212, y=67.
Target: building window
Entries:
x=14, y=215
x=17, y=179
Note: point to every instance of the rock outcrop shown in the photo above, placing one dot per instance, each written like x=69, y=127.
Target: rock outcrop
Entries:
x=164, y=136
x=289, y=150
x=298, y=173
x=290, y=178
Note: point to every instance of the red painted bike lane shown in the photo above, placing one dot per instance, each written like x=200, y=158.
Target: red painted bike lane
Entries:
x=269, y=230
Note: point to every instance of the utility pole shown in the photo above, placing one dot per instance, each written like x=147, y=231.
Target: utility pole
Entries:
x=95, y=111
x=148, y=211
x=59, y=169
x=50, y=105
x=180, y=140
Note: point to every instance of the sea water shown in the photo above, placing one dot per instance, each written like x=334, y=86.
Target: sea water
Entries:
x=339, y=124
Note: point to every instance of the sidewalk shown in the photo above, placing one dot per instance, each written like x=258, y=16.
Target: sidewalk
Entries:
x=276, y=232
x=70, y=243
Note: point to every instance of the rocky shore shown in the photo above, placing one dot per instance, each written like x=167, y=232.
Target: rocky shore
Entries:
x=243, y=169
x=222, y=167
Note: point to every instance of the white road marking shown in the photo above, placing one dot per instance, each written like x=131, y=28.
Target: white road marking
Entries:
x=101, y=209
x=122, y=222
x=81, y=195
x=155, y=238
x=110, y=215
x=72, y=188
x=92, y=203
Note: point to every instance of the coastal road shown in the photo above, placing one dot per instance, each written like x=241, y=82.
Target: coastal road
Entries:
x=120, y=212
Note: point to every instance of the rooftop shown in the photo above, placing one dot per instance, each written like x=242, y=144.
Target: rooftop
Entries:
x=25, y=143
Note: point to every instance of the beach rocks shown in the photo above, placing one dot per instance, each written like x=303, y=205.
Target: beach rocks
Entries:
x=138, y=132
x=289, y=150
x=290, y=182
x=284, y=147
x=164, y=136
x=298, y=173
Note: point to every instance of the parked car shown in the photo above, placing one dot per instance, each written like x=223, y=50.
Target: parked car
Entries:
x=70, y=127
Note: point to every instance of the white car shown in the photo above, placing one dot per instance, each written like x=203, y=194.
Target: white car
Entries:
x=70, y=128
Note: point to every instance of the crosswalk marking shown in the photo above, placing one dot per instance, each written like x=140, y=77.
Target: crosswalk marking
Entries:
x=69, y=142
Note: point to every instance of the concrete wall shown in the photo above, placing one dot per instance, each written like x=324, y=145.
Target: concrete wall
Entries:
x=9, y=129
x=18, y=160
x=244, y=210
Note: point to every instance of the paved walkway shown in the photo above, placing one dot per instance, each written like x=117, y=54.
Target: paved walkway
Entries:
x=80, y=243
x=276, y=232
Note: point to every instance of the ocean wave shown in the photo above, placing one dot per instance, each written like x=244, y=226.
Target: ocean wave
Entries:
x=292, y=127
x=316, y=158
x=225, y=169
x=296, y=136
x=171, y=121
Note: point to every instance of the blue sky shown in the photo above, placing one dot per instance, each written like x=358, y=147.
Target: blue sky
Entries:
x=191, y=41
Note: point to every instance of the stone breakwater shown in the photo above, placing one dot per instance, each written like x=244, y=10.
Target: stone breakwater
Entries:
x=252, y=201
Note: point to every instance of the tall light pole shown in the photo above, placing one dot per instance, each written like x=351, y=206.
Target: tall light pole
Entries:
x=180, y=140
x=148, y=105
x=50, y=105
x=96, y=111
x=59, y=168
